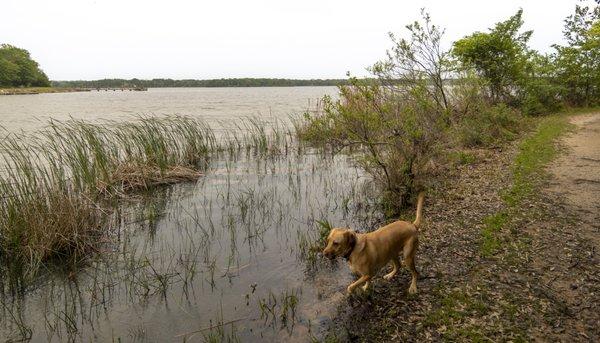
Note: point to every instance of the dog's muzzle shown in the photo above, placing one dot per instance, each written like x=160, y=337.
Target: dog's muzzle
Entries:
x=329, y=255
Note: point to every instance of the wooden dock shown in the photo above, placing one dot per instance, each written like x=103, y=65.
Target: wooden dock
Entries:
x=121, y=89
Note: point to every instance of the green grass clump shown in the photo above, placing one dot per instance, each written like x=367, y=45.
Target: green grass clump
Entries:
x=115, y=158
x=462, y=157
x=39, y=227
x=492, y=225
x=41, y=216
x=313, y=243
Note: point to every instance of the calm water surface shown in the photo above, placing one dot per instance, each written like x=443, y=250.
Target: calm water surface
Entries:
x=212, y=104
x=226, y=258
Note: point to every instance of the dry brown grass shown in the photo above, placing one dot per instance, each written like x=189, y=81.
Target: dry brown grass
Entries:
x=132, y=177
x=53, y=226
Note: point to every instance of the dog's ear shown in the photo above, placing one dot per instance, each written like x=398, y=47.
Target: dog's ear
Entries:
x=351, y=238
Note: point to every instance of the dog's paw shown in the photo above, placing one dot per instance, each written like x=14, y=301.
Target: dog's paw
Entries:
x=412, y=289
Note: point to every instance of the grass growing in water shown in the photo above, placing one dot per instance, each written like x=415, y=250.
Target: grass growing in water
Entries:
x=40, y=214
x=311, y=245
x=53, y=182
x=117, y=158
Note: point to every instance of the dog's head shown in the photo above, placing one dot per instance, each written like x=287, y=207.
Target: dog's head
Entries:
x=340, y=242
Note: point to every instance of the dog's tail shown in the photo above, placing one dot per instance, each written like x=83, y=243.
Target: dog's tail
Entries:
x=420, y=200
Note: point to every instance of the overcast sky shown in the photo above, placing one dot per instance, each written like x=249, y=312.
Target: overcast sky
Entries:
x=93, y=39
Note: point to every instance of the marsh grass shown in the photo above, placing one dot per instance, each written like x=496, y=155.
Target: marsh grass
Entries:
x=55, y=183
x=282, y=308
x=190, y=242
x=40, y=215
x=117, y=158
x=311, y=243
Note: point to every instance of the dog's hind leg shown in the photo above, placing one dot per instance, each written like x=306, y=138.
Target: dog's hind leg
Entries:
x=395, y=267
x=409, y=259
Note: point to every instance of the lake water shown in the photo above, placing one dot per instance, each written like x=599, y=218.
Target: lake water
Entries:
x=27, y=112
x=226, y=258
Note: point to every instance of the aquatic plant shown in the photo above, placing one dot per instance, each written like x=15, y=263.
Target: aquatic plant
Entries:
x=54, y=183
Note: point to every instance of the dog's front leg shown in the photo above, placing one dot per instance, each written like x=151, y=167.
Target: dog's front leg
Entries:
x=363, y=279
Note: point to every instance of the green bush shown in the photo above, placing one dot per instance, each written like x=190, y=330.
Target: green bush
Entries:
x=395, y=135
x=488, y=126
x=541, y=97
x=578, y=63
x=400, y=124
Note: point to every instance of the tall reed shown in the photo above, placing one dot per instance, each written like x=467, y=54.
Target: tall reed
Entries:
x=120, y=157
x=53, y=182
x=40, y=214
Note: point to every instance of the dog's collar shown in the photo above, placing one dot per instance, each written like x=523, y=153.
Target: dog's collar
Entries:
x=352, y=245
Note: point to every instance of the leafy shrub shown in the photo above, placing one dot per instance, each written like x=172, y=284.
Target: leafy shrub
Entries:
x=500, y=56
x=396, y=135
x=488, y=125
x=541, y=97
x=578, y=63
x=399, y=123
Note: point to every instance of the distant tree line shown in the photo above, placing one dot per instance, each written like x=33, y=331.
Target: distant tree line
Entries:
x=17, y=69
x=237, y=82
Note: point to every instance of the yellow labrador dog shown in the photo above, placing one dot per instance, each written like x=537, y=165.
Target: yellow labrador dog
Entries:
x=367, y=253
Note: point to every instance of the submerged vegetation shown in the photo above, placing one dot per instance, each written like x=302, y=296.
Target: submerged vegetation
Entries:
x=202, y=242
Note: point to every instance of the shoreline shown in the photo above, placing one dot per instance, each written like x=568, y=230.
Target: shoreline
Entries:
x=40, y=90
x=49, y=90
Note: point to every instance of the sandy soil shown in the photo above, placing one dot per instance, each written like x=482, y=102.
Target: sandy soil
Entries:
x=577, y=172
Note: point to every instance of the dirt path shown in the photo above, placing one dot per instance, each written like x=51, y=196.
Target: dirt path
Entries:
x=577, y=172
x=541, y=284
x=567, y=240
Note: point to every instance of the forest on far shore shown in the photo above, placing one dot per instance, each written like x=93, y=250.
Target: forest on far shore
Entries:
x=234, y=82
x=18, y=69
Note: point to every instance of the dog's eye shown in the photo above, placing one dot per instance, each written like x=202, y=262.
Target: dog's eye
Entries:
x=335, y=243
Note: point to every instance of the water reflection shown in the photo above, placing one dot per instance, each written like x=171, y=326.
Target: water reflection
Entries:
x=227, y=258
